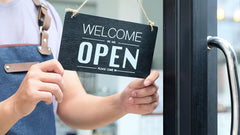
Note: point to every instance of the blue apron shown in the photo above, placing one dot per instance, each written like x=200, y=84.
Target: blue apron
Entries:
x=41, y=121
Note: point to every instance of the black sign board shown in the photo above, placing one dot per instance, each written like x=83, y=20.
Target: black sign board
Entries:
x=101, y=45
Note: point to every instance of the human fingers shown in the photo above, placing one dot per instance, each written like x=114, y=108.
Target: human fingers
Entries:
x=51, y=66
x=147, y=108
x=52, y=78
x=44, y=96
x=52, y=88
x=136, y=84
x=151, y=78
x=147, y=91
x=141, y=83
x=144, y=100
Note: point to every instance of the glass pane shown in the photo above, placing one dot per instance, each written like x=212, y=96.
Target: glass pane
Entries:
x=228, y=15
x=105, y=85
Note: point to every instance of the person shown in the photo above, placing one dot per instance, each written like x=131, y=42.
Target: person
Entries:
x=28, y=100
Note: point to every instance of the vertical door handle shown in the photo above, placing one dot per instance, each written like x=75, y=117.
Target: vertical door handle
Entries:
x=232, y=67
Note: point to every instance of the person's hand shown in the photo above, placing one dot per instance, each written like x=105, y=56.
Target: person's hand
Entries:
x=141, y=96
x=42, y=81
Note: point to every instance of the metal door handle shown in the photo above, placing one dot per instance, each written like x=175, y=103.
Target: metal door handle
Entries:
x=231, y=59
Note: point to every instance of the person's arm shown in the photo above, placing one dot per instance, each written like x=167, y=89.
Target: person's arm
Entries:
x=40, y=83
x=81, y=110
x=8, y=117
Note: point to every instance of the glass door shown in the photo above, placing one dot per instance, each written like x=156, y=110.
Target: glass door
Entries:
x=192, y=98
x=196, y=86
x=228, y=16
x=190, y=70
x=105, y=85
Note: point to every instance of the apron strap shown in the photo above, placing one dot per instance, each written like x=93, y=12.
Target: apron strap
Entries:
x=44, y=22
x=18, y=67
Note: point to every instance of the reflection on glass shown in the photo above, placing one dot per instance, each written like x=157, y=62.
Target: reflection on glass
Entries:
x=228, y=28
x=104, y=85
x=220, y=13
x=236, y=15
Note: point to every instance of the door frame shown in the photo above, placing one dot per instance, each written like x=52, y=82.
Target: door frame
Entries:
x=190, y=70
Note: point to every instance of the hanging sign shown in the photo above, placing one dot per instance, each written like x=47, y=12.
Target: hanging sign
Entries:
x=101, y=45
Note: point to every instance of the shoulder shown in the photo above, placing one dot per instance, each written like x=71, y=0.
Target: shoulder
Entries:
x=54, y=15
x=55, y=30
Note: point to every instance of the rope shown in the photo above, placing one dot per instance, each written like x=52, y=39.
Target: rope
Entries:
x=139, y=3
x=76, y=11
x=145, y=14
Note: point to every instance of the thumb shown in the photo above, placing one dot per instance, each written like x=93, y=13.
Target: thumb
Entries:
x=151, y=78
x=141, y=83
x=137, y=84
